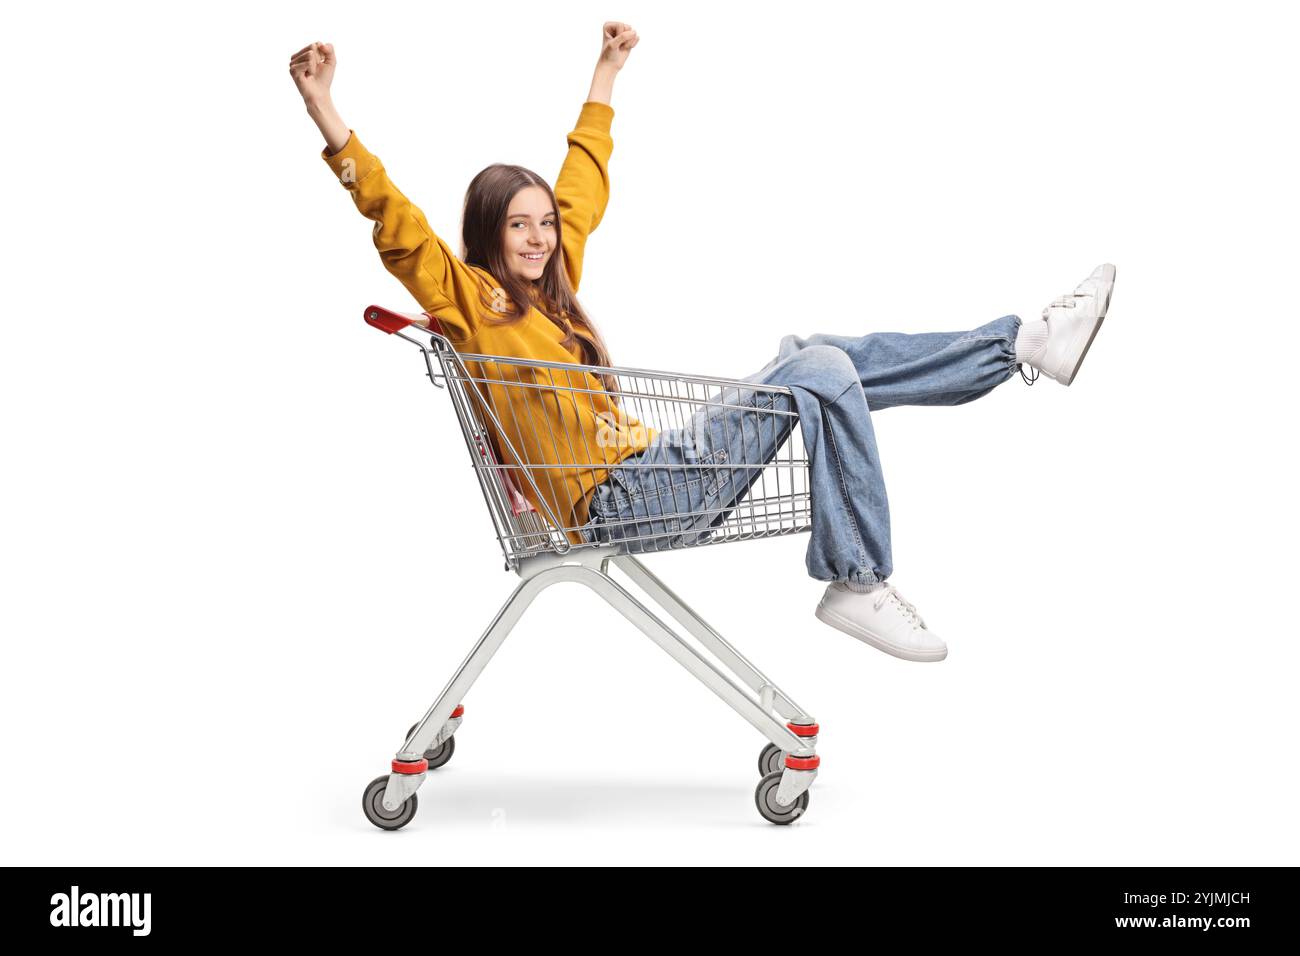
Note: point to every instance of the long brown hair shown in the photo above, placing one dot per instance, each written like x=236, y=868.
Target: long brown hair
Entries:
x=487, y=203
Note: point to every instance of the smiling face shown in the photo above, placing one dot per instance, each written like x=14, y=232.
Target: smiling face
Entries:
x=528, y=240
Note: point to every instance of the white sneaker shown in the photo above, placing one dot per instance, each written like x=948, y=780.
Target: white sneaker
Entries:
x=882, y=619
x=1072, y=323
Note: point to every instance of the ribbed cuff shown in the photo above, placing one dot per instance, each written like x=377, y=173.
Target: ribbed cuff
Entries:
x=1031, y=337
x=596, y=115
x=352, y=163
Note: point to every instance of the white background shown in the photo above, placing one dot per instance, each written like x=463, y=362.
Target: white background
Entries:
x=244, y=549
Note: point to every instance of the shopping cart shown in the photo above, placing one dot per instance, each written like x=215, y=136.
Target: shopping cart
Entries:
x=522, y=467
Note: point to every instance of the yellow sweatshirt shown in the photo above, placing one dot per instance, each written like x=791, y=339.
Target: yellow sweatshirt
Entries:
x=550, y=425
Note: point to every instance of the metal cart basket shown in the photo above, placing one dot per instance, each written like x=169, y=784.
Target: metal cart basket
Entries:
x=537, y=479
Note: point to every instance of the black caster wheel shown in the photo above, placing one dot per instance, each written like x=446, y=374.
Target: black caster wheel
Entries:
x=773, y=812
x=439, y=755
x=771, y=760
x=372, y=803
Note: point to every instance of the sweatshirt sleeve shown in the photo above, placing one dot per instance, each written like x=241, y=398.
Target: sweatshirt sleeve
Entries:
x=409, y=249
x=582, y=188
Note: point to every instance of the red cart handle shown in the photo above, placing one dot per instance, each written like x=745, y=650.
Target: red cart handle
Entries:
x=386, y=320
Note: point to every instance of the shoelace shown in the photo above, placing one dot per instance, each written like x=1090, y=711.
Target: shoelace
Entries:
x=908, y=609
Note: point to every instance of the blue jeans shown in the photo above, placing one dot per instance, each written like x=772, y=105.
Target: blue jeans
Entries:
x=661, y=498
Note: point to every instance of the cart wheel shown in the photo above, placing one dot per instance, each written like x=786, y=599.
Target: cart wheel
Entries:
x=439, y=755
x=372, y=803
x=770, y=760
x=773, y=812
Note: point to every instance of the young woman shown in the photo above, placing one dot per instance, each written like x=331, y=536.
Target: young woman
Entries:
x=511, y=292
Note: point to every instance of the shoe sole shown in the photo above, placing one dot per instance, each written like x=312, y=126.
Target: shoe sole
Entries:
x=1108, y=274
x=840, y=623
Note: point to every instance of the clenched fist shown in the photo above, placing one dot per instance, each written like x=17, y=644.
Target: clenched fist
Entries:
x=617, y=42
x=312, y=69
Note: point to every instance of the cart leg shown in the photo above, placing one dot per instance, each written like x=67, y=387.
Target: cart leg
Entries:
x=695, y=662
x=770, y=695
x=793, y=781
x=437, y=721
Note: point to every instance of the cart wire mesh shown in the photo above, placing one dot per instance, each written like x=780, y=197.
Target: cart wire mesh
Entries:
x=543, y=435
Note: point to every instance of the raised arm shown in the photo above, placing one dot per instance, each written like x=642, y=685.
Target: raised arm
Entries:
x=582, y=187
x=409, y=249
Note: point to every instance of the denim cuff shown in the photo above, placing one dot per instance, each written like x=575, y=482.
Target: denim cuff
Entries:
x=863, y=583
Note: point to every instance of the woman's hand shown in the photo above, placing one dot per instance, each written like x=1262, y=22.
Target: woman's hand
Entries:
x=312, y=69
x=617, y=42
